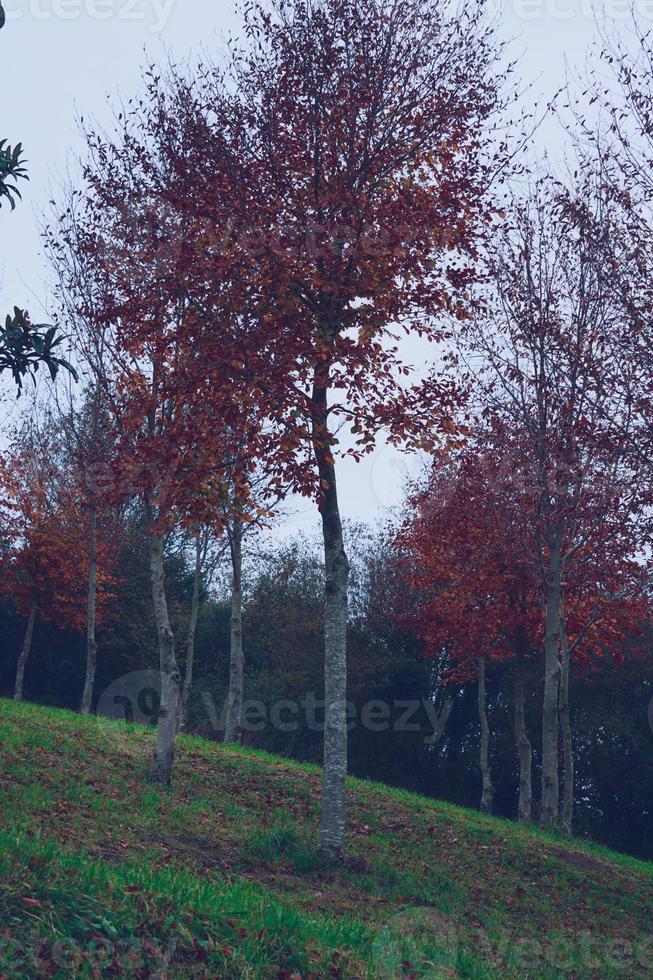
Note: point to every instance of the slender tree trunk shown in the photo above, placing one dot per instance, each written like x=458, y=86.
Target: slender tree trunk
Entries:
x=487, y=797
x=192, y=630
x=333, y=815
x=91, y=644
x=550, y=776
x=567, y=806
x=170, y=678
x=24, y=653
x=234, y=720
x=524, y=748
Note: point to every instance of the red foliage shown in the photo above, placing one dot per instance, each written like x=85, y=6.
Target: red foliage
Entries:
x=246, y=248
x=468, y=559
x=44, y=558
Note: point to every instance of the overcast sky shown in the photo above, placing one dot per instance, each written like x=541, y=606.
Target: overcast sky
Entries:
x=62, y=58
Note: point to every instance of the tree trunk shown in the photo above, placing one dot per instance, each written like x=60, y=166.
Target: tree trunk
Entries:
x=524, y=748
x=567, y=807
x=24, y=653
x=170, y=678
x=233, y=723
x=487, y=796
x=91, y=644
x=550, y=778
x=192, y=630
x=332, y=819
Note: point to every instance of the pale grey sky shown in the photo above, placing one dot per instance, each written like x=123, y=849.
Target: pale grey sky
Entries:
x=62, y=58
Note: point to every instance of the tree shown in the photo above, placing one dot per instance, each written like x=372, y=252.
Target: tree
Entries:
x=356, y=144
x=237, y=516
x=553, y=371
x=45, y=565
x=242, y=517
x=89, y=442
x=605, y=606
x=465, y=561
x=175, y=396
x=468, y=555
x=360, y=158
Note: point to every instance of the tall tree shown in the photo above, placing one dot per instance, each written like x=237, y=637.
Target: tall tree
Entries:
x=281, y=226
x=464, y=558
x=552, y=367
x=88, y=436
x=242, y=517
x=362, y=156
x=173, y=412
x=468, y=555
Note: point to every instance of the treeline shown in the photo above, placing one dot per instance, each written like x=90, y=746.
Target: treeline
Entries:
x=237, y=266
x=284, y=660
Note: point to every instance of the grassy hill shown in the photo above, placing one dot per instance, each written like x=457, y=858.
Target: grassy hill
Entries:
x=103, y=875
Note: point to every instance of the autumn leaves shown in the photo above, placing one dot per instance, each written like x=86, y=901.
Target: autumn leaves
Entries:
x=240, y=256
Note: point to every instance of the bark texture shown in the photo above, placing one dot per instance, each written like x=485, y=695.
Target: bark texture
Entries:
x=333, y=814
x=524, y=747
x=233, y=724
x=91, y=603
x=170, y=677
x=192, y=631
x=24, y=653
x=567, y=803
x=487, y=796
x=550, y=777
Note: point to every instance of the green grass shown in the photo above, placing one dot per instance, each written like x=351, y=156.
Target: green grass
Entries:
x=102, y=874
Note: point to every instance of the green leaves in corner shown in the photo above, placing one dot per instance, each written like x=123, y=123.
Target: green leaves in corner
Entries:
x=25, y=346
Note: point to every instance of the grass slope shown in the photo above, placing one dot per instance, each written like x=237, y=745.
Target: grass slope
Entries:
x=103, y=875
